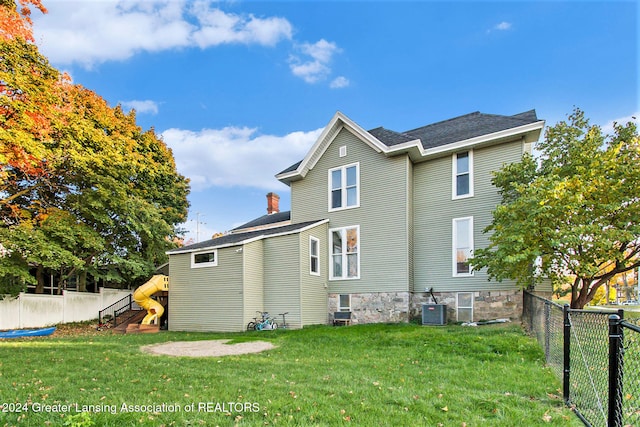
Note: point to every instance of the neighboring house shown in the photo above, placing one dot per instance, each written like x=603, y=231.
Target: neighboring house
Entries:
x=377, y=218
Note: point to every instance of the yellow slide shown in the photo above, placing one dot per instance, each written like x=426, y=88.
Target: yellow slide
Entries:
x=142, y=296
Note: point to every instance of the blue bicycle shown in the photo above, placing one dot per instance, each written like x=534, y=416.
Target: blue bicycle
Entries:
x=264, y=323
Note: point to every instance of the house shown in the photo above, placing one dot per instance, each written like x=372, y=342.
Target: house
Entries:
x=377, y=218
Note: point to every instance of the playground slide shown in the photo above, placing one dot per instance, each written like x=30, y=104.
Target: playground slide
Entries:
x=142, y=296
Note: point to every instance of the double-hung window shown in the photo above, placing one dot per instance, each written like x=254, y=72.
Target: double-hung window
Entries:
x=344, y=187
x=463, y=174
x=345, y=253
x=314, y=256
x=462, y=246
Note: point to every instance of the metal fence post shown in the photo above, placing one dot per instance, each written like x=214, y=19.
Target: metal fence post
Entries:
x=567, y=354
x=615, y=370
x=547, y=331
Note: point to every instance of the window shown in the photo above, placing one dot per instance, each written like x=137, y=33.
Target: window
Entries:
x=343, y=187
x=463, y=175
x=462, y=246
x=345, y=302
x=314, y=257
x=204, y=259
x=345, y=253
x=465, y=306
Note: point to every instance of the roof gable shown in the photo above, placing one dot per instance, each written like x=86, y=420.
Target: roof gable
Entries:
x=333, y=128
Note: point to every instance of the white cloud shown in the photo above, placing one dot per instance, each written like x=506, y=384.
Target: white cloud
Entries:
x=502, y=26
x=140, y=106
x=236, y=156
x=313, y=66
x=607, y=129
x=339, y=82
x=217, y=27
x=90, y=32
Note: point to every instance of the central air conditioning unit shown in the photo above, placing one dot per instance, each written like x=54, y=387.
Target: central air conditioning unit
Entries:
x=434, y=314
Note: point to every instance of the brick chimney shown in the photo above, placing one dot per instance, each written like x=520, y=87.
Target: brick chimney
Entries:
x=272, y=203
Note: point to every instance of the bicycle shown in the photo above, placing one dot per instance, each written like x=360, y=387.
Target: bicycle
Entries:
x=262, y=323
x=284, y=321
x=251, y=326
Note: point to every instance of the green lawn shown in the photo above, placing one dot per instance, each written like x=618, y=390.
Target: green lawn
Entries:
x=395, y=375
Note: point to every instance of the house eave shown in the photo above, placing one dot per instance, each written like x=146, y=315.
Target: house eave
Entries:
x=530, y=132
x=248, y=240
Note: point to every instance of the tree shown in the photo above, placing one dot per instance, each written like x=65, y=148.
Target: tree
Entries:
x=83, y=189
x=574, y=212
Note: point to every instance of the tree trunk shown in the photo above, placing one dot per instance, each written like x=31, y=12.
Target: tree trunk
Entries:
x=40, y=279
x=82, y=281
x=584, y=294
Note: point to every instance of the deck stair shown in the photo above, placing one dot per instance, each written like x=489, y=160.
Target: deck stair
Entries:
x=124, y=316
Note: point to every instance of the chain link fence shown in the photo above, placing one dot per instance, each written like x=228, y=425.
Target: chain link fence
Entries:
x=629, y=376
x=595, y=354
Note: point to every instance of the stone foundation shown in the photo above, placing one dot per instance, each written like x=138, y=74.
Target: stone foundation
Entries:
x=487, y=305
x=379, y=307
x=393, y=307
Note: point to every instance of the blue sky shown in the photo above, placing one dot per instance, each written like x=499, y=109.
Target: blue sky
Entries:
x=240, y=90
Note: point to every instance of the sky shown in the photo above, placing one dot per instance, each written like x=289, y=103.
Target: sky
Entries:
x=240, y=90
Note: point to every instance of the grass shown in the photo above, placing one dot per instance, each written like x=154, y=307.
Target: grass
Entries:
x=401, y=374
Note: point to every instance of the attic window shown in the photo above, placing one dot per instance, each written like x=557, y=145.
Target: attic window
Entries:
x=343, y=151
x=204, y=259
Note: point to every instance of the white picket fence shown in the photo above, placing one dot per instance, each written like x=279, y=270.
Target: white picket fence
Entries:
x=38, y=310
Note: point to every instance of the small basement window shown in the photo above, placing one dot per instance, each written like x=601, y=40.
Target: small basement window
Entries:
x=465, y=307
x=345, y=302
x=204, y=259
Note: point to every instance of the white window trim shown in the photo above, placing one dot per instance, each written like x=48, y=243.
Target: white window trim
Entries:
x=454, y=244
x=458, y=307
x=204, y=264
x=454, y=175
x=311, y=256
x=344, y=308
x=344, y=252
x=343, y=170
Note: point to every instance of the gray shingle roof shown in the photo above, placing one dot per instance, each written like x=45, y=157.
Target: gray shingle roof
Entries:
x=266, y=220
x=390, y=137
x=237, y=238
x=468, y=126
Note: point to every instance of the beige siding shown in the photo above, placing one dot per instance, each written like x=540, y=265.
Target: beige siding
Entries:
x=313, y=292
x=253, y=293
x=434, y=211
x=382, y=215
x=206, y=299
x=282, y=278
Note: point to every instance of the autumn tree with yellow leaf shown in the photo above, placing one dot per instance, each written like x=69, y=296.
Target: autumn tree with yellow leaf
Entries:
x=575, y=211
x=84, y=191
